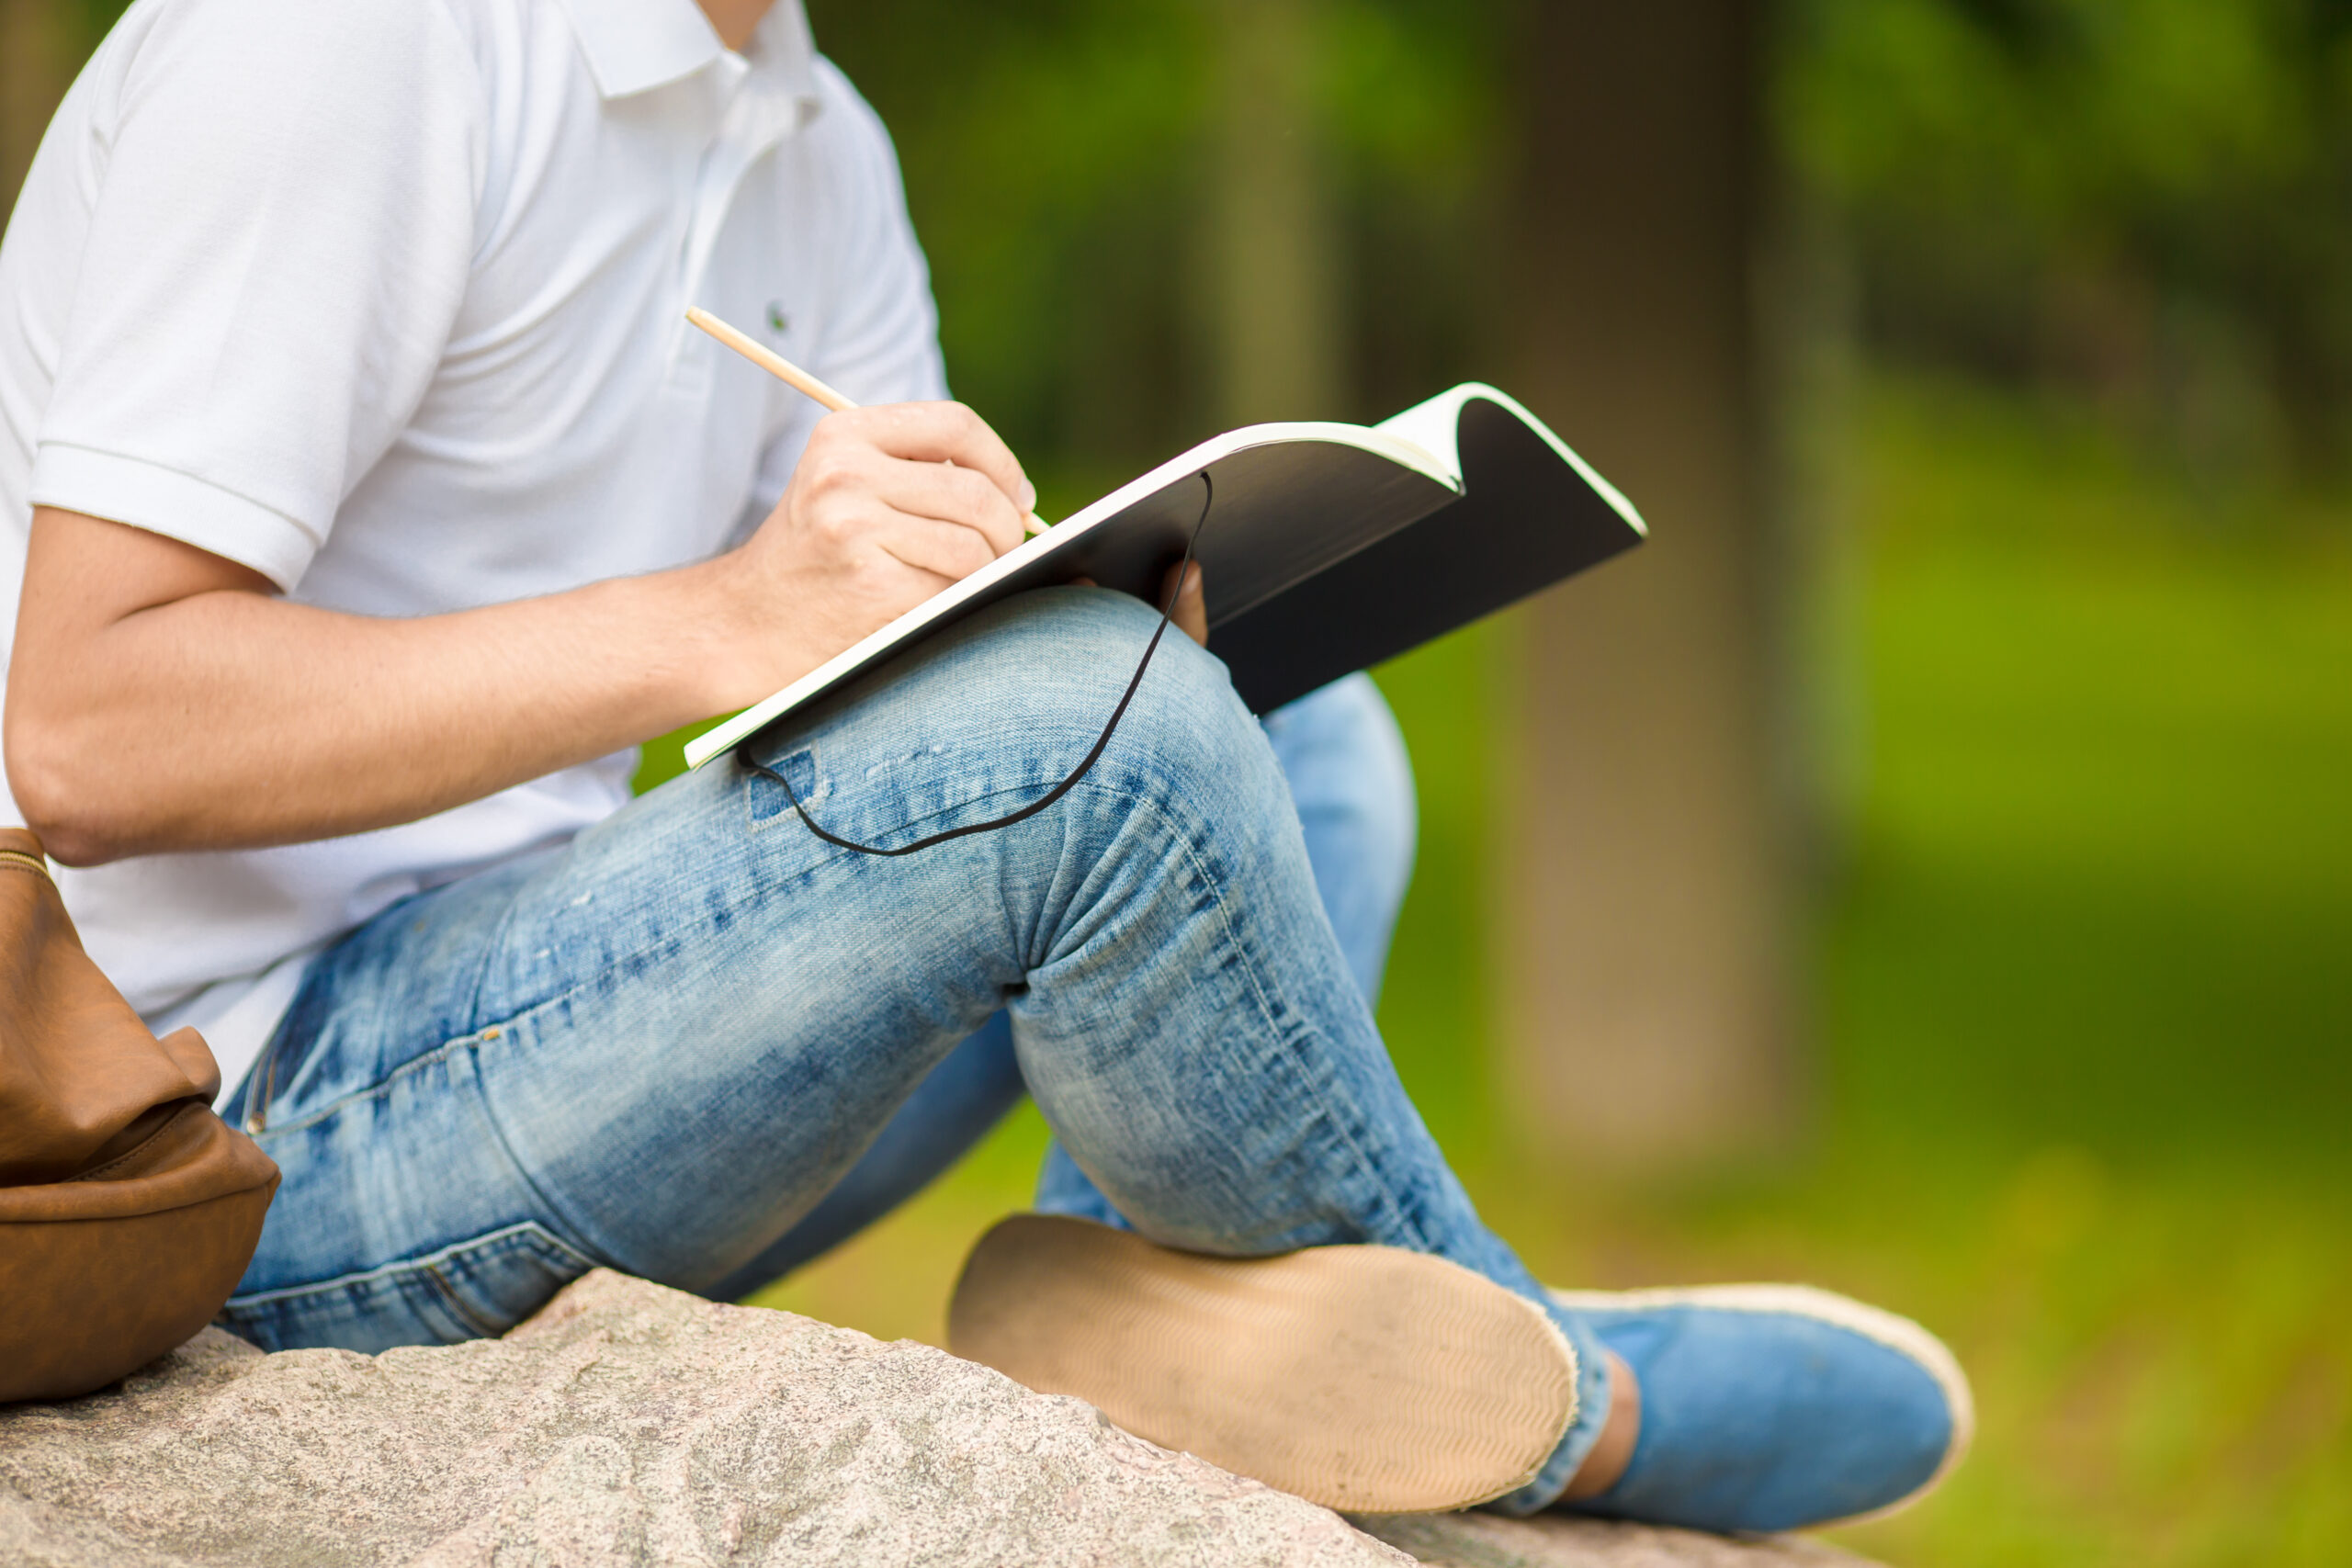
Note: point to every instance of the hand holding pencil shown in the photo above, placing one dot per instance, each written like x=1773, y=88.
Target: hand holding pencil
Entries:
x=1190, y=613
x=791, y=375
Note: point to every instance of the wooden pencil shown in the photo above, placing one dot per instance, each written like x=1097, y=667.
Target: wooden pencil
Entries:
x=792, y=376
x=768, y=359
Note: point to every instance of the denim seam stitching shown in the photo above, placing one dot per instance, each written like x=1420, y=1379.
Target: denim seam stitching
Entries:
x=520, y=1232
x=455, y=1304
x=490, y=951
x=258, y=1086
x=488, y=1034
x=1185, y=837
x=515, y=1162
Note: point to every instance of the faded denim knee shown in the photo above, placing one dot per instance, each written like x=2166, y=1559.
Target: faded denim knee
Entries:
x=986, y=717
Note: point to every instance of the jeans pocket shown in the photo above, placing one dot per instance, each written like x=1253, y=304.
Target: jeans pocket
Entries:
x=473, y=1290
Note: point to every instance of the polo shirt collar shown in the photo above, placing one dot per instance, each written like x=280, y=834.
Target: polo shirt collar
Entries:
x=634, y=45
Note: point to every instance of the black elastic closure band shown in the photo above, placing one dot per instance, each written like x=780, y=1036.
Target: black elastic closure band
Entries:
x=1175, y=587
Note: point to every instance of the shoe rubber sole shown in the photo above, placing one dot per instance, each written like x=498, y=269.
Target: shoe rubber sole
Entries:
x=1367, y=1379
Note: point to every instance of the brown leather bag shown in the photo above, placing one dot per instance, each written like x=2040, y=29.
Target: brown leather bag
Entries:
x=128, y=1210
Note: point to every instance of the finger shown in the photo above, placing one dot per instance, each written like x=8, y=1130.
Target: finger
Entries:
x=955, y=495
x=945, y=433
x=948, y=550
x=1190, y=613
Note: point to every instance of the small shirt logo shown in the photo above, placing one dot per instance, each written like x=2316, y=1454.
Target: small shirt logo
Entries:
x=778, y=323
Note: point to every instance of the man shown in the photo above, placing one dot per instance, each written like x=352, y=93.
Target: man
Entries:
x=373, y=502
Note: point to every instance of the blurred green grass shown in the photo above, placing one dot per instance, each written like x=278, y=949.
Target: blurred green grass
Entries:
x=2084, y=996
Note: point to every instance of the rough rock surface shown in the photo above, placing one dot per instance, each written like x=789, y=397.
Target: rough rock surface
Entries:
x=629, y=1423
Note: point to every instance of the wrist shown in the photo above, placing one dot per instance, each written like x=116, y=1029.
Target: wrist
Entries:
x=733, y=640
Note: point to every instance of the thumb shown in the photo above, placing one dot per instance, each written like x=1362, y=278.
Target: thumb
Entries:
x=1191, y=612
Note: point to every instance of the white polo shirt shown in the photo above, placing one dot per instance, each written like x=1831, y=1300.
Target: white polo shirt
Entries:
x=385, y=299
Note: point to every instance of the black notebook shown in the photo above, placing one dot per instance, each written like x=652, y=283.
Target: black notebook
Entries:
x=1327, y=547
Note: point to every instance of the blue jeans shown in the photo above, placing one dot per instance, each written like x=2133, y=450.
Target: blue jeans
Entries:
x=700, y=1044
x=1350, y=783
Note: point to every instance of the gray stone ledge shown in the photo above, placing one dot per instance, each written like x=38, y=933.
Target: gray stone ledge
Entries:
x=629, y=1424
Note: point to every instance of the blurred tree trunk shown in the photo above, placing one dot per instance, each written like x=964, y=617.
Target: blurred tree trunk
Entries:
x=37, y=64
x=1644, y=993
x=1271, y=272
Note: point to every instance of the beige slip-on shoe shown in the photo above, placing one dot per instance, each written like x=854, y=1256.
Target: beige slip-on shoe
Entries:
x=1363, y=1378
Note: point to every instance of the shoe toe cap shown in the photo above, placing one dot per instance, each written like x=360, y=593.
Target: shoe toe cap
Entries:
x=1881, y=1426
x=1777, y=1420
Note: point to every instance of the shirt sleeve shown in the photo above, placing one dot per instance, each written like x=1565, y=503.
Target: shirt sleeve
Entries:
x=279, y=240
x=882, y=334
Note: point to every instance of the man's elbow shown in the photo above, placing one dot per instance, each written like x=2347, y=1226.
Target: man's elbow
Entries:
x=58, y=792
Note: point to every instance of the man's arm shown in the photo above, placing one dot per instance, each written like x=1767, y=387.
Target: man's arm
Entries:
x=161, y=698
